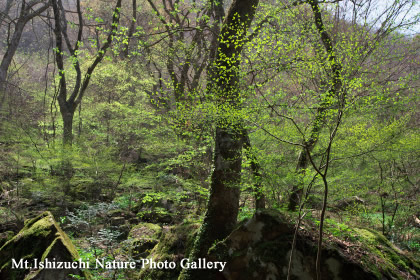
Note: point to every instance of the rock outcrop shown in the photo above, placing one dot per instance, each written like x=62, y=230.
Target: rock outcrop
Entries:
x=143, y=238
x=40, y=239
x=175, y=244
x=260, y=249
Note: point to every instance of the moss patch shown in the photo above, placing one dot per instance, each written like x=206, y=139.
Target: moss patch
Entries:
x=382, y=257
x=174, y=245
x=145, y=230
x=143, y=238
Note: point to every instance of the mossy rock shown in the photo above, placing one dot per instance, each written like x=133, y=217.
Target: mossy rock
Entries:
x=143, y=238
x=260, y=249
x=121, y=213
x=388, y=259
x=145, y=230
x=156, y=215
x=41, y=238
x=348, y=203
x=87, y=191
x=175, y=244
x=141, y=248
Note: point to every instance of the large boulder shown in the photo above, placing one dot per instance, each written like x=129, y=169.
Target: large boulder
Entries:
x=40, y=240
x=143, y=238
x=260, y=249
x=174, y=245
x=348, y=202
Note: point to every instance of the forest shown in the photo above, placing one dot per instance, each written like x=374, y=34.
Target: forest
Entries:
x=209, y=139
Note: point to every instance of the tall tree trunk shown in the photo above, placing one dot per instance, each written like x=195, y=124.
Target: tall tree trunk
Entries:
x=303, y=162
x=67, y=127
x=27, y=12
x=223, y=205
x=219, y=13
x=69, y=102
x=125, y=52
x=10, y=52
x=66, y=163
x=255, y=167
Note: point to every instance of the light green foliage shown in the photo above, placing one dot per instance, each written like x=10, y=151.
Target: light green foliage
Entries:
x=145, y=131
x=338, y=229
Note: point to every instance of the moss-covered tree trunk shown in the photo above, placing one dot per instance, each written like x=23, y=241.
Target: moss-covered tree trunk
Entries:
x=223, y=205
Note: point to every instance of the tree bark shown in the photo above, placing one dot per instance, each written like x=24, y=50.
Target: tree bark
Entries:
x=223, y=204
x=67, y=127
x=303, y=162
x=11, y=50
x=125, y=52
x=255, y=167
